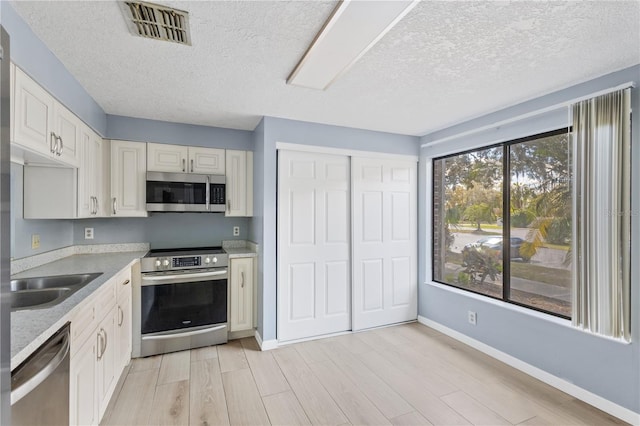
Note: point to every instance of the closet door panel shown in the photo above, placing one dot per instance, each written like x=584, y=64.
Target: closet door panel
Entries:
x=385, y=282
x=314, y=252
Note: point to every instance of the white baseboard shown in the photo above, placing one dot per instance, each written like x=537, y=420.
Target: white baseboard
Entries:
x=265, y=345
x=558, y=383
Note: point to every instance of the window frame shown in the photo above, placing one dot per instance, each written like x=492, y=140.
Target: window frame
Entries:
x=506, y=218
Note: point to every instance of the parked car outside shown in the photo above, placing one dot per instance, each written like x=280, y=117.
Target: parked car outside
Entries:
x=495, y=243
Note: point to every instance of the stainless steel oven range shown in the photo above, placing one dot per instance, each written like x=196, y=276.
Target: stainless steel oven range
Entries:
x=181, y=302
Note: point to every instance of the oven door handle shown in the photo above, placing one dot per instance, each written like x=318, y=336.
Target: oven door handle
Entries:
x=186, y=334
x=154, y=279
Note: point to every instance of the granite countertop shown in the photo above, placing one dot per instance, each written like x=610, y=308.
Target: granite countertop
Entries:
x=31, y=328
x=240, y=248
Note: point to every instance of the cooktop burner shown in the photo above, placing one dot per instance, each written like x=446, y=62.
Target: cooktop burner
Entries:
x=184, y=251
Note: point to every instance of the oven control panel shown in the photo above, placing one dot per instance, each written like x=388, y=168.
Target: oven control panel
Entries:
x=162, y=263
x=186, y=262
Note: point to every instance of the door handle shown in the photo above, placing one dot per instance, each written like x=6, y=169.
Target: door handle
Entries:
x=120, y=316
x=99, y=344
x=208, y=193
x=191, y=165
x=59, y=153
x=242, y=279
x=105, y=342
x=115, y=205
x=97, y=205
x=186, y=334
x=53, y=143
x=93, y=205
x=126, y=282
x=184, y=165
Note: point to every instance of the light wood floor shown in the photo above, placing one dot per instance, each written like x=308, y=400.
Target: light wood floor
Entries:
x=402, y=375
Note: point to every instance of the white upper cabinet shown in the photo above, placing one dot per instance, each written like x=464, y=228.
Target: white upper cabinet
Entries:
x=33, y=118
x=92, y=174
x=166, y=158
x=184, y=159
x=208, y=161
x=128, y=178
x=239, y=186
x=42, y=125
x=67, y=131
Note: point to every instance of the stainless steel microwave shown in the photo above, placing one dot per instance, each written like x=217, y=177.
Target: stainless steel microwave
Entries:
x=185, y=192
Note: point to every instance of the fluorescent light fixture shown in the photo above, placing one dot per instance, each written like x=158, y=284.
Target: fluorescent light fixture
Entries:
x=354, y=27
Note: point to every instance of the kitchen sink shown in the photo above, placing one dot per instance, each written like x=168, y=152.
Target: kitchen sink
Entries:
x=38, y=299
x=43, y=292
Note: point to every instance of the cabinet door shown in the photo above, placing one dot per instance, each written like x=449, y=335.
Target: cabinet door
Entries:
x=236, y=183
x=241, y=297
x=83, y=401
x=89, y=172
x=128, y=179
x=123, y=324
x=106, y=338
x=33, y=115
x=208, y=161
x=166, y=158
x=67, y=128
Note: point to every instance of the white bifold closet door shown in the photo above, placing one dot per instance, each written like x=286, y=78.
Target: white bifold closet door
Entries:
x=385, y=281
x=314, y=251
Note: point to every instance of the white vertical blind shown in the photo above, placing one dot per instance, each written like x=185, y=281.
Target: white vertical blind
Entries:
x=601, y=243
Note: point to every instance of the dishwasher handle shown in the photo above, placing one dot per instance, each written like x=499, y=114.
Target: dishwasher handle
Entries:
x=24, y=389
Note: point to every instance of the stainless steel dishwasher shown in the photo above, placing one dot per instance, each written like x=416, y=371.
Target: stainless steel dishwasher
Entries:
x=40, y=385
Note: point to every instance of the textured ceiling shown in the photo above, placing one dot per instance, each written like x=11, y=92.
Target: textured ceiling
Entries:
x=443, y=63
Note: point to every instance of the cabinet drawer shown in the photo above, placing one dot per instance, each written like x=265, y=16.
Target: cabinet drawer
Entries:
x=106, y=298
x=83, y=325
x=123, y=284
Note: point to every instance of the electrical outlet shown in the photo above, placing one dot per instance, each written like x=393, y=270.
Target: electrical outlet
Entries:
x=236, y=231
x=472, y=316
x=35, y=241
x=88, y=233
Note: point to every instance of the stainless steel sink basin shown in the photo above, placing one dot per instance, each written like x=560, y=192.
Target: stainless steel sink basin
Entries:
x=43, y=292
x=38, y=299
x=56, y=281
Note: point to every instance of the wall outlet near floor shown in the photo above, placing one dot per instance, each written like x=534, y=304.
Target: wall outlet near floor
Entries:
x=35, y=241
x=88, y=233
x=236, y=231
x=471, y=317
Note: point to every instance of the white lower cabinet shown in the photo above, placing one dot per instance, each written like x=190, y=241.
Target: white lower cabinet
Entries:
x=83, y=386
x=98, y=361
x=241, y=294
x=106, y=360
x=123, y=320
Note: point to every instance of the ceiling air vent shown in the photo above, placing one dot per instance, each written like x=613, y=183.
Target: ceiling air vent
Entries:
x=158, y=22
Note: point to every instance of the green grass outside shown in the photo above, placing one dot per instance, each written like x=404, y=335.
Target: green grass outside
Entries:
x=528, y=271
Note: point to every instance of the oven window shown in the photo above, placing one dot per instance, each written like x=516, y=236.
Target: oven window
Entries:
x=176, y=192
x=174, y=306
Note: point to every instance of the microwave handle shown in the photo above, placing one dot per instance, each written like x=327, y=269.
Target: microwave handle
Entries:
x=208, y=193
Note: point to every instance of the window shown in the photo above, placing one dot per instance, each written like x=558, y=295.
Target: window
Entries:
x=519, y=192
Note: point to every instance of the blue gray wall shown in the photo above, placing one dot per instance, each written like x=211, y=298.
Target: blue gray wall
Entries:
x=53, y=233
x=607, y=368
x=163, y=230
x=32, y=55
x=257, y=224
x=143, y=130
x=302, y=133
